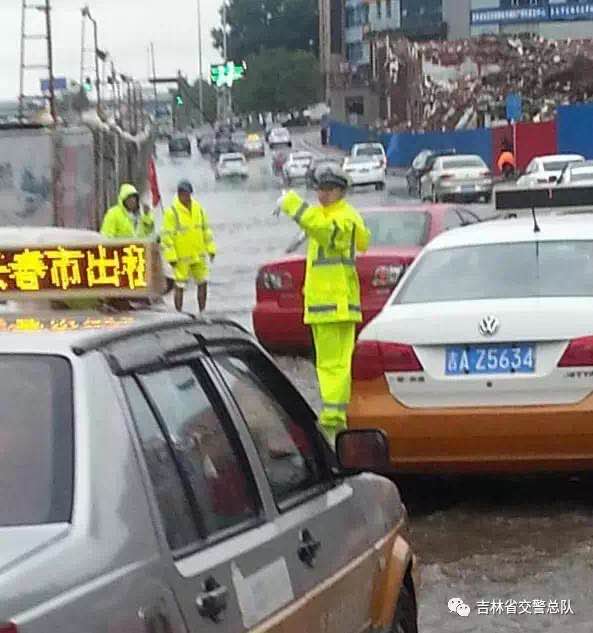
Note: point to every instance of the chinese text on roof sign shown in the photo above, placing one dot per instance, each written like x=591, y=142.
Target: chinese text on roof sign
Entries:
x=100, y=270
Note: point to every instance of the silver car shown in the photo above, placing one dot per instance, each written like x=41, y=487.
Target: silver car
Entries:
x=160, y=474
x=459, y=177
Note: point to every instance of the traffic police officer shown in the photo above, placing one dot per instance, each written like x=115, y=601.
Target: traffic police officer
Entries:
x=336, y=233
x=126, y=220
x=187, y=242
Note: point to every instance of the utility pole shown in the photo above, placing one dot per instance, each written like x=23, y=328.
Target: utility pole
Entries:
x=50, y=62
x=45, y=7
x=156, y=97
x=226, y=91
x=201, y=69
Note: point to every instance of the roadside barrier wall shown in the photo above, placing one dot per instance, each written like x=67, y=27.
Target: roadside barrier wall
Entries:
x=575, y=129
x=571, y=132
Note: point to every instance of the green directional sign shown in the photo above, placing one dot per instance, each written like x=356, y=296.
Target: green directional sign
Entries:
x=227, y=74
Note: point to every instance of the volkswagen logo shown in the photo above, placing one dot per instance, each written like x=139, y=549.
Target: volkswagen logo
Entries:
x=489, y=326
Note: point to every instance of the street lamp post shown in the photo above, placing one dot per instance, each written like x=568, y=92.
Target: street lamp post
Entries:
x=86, y=12
x=201, y=75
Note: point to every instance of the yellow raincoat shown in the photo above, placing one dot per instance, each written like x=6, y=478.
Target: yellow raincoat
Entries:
x=119, y=223
x=187, y=241
x=332, y=297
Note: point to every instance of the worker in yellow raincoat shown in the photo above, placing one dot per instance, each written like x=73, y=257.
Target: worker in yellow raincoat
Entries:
x=188, y=243
x=127, y=220
x=336, y=233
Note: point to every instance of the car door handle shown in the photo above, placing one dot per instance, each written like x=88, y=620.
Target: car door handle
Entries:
x=213, y=601
x=307, y=551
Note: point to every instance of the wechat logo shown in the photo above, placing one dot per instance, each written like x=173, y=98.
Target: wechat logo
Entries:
x=456, y=605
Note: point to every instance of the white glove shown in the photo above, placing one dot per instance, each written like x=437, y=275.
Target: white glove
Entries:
x=280, y=203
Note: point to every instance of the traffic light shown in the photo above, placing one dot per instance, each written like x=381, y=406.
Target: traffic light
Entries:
x=88, y=85
x=227, y=74
x=178, y=100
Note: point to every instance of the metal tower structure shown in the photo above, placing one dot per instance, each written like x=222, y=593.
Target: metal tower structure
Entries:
x=26, y=37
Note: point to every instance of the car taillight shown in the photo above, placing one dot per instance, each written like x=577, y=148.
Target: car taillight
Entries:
x=579, y=353
x=446, y=176
x=275, y=280
x=387, y=276
x=9, y=627
x=372, y=359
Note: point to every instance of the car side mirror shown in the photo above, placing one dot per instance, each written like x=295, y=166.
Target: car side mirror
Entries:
x=363, y=450
x=553, y=178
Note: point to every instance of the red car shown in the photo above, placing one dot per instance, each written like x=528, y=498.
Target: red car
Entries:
x=398, y=235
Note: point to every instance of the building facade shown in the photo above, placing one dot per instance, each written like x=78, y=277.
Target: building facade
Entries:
x=551, y=19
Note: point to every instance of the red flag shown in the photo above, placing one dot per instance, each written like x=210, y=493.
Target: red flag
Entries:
x=153, y=182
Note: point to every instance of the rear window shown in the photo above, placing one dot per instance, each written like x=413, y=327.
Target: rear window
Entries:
x=36, y=440
x=463, y=163
x=369, y=151
x=501, y=271
x=398, y=229
x=557, y=165
x=233, y=161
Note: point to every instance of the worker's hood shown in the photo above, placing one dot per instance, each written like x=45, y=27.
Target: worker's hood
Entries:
x=125, y=192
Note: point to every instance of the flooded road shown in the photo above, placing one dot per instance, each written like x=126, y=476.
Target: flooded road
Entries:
x=518, y=552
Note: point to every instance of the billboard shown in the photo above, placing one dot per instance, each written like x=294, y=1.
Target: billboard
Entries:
x=518, y=15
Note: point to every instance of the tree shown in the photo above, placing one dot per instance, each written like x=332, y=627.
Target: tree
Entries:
x=278, y=81
x=269, y=24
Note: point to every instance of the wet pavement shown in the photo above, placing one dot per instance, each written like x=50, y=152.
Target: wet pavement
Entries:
x=518, y=552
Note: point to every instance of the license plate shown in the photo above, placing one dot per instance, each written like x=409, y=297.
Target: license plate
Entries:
x=468, y=188
x=490, y=359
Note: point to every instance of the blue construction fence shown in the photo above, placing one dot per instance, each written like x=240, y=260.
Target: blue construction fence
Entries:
x=575, y=135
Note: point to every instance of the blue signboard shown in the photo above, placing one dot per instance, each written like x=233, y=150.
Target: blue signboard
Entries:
x=514, y=107
x=509, y=16
x=551, y=13
x=572, y=11
x=60, y=83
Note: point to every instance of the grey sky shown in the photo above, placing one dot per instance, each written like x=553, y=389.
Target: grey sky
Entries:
x=126, y=27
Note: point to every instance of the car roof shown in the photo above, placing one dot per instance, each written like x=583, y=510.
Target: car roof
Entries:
x=552, y=228
x=231, y=155
x=413, y=207
x=555, y=157
x=12, y=236
x=461, y=156
x=98, y=330
x=376, y=144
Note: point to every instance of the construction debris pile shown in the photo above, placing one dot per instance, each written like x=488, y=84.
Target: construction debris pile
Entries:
x=466, y=82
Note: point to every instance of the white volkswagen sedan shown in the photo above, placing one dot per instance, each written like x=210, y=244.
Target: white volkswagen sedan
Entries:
x=482, y=359
x=365, y=170
x=543, y=170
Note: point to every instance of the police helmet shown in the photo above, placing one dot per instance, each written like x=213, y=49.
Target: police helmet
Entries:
x=331, y=176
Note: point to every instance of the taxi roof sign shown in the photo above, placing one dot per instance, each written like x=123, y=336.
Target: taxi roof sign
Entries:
x=553, y=197
x=93, y=270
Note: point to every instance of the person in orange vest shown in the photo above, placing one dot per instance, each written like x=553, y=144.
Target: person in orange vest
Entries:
x=506, y=161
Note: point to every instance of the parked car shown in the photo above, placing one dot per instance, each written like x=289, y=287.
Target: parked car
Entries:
x=459, y=177
x=180, y=144
x=232, y=165
x=482, y=360
x=543, y=170
x=398, y=235
x=365, y=170
x=254, y=145
x=421, y=165
x=160, y=473
x=373, y=150
x=314, y=166
x=580, y=173
x=279, y=137
x=296, y=166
